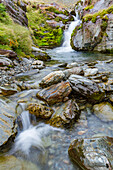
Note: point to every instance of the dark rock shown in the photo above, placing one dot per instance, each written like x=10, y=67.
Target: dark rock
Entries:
x=55, y=93
x=85, y=87
x=64, y=114
x=40, y=54
x=93, y=153
x=40, y=110
x=104, y=111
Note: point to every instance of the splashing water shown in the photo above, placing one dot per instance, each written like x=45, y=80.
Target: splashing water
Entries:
x=31, y=135
x=66, y=47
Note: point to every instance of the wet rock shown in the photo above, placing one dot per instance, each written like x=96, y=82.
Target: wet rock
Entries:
x=75, y=70
x=55, y=93
x=64, y=114
x=107, y=86
x=7, y=119
x=11, y=162
x=40, y=110
x=74, y=64
x=40, y=54
x=104, y=111
x=92, y=154
x=38, y=64
x=85, y=87
x=52, y=78
x=8, y=53
x=5, y=62
x=7, y=91
x=90, y=72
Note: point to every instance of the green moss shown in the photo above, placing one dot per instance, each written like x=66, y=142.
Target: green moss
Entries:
x=53, y=9
x=101, y=13
x=88, y=7
x=13, y=36
x=42, y=33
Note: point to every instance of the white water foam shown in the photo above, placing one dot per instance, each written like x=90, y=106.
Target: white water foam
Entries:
x=31, y=135
x=66, y=47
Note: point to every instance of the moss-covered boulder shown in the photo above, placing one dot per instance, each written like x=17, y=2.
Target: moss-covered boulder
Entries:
x=46, y=23
x=95, y=32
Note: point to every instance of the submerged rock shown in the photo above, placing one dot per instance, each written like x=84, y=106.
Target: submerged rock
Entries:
x=40, y=110
x=93, y=153
x=104, y=111
x=55, y=93
x=11, y=162
x=52, y=78
x=64, y=114
x=85, y=87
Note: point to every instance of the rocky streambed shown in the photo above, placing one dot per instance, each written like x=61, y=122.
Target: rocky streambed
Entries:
x=75, y=98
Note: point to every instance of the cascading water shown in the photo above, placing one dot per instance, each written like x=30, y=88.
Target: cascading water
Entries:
x=30, y=136
x=66, y=47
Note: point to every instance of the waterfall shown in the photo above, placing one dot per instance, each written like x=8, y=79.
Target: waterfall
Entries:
x=31, y=135
x=66, y=47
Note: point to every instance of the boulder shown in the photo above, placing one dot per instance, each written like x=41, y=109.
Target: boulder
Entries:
x=7, y=91
x=40, y=110
x=38, y=64
x=74, y=70
x=104, y=111
x=5, y=62
x=8, y=53
x=85, y=87
x=7, y=119
x=55, y=93
x=55, y=24
x=92, y=153
x=52, y=78
x=90, y=72
x=11, y=162
x=40, y=54
x=64, y=114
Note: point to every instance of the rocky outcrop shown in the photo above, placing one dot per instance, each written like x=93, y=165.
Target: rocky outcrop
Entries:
x=17, y=10
x=93, y=153
x=95, y=33
x=55, y=93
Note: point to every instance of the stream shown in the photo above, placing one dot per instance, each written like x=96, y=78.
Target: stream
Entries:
x=38, y=142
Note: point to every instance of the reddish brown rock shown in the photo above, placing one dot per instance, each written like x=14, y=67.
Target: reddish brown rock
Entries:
x=55, y=93
x=64, y=114
x=8, y=53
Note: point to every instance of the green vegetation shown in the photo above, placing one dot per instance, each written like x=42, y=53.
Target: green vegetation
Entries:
x=13, y=36
x=88, y=7
x=101, y=13
x=42, y=33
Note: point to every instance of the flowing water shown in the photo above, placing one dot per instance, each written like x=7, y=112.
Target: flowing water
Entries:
x=41, y=144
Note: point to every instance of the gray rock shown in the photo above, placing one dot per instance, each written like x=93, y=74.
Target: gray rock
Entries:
x=93, y=153
x=90, y=72
x=74, y=70
x=104, y=111
x=85, y=87
x=52, y=78
x=40, y=54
